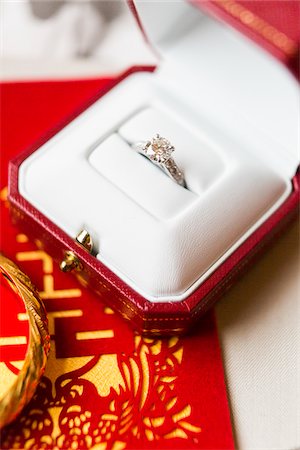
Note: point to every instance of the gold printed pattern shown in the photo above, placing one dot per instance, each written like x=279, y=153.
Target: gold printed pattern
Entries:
x=100, y=401
x=260, y=26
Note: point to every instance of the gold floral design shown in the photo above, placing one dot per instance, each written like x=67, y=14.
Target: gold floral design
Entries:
x=107, y=401
x=141, y=406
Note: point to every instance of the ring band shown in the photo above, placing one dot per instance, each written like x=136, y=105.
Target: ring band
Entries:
x=22, y=390
x=159, y=150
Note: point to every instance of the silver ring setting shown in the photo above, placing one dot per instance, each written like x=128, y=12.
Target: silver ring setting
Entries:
x=159, y=150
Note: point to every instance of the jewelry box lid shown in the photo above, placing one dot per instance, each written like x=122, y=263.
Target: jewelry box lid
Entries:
x=273, y=25
x=206, y=57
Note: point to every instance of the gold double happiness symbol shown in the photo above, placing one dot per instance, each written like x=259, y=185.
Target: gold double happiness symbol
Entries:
x=124, y=387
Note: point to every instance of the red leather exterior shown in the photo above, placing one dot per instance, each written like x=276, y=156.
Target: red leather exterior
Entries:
x=274, y=25
x=149, y=318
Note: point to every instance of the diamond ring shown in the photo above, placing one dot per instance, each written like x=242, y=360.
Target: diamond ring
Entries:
x=159, y=150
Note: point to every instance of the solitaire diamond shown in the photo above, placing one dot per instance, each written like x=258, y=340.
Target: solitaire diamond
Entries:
x=159, y=149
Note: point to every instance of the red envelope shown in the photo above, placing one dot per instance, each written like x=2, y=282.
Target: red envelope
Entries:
x=105, y=387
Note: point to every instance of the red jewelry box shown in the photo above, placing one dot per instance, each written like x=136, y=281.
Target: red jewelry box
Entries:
x=279, y=182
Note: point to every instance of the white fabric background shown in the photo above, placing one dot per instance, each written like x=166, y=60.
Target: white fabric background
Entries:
x=258, y=323
x=258, y=319
x=76, y=40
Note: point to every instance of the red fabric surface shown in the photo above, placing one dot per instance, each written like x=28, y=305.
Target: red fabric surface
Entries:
x=13, y=328
x=111, y=386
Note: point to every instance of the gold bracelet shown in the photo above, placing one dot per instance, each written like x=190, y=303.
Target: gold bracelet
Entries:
x=22, y=390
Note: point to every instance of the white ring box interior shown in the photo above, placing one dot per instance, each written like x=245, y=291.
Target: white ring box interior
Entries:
x=232, y=113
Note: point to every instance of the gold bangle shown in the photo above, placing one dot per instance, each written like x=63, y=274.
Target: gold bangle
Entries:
x=22, y=390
